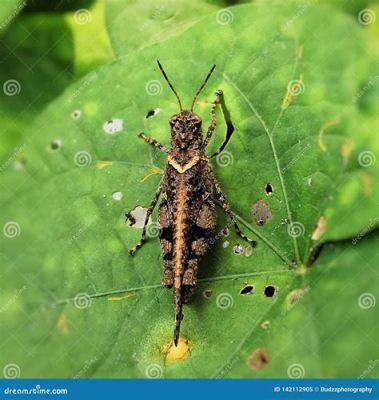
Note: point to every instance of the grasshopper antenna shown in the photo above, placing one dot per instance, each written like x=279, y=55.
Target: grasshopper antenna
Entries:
x=170, y=84
x=202, y=86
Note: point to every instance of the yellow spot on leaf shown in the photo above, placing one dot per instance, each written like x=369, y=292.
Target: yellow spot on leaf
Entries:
x=118, y=298
x=177, y=353
x=346, y=150
x=367, y=183
x=319, y=228
x=300, y=52
x=151, y=172
x=103, y=164
x=327, y=124
x=62, y=323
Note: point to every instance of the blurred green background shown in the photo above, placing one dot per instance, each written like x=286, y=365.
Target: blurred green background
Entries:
x=79, y=82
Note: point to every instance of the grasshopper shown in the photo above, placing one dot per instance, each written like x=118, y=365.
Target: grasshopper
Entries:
x=189, y=190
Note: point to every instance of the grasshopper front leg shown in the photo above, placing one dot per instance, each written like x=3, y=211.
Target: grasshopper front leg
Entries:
x=148, y=214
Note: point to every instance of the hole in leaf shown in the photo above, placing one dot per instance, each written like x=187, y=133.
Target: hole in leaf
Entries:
x=56, y=144
x=269, y=189
x=238, y=249
x=259, y=359
x=248, y=289
x=207, y=293
x=136, y=217
x=152, y=113
x=270, y=291
x=113, y=126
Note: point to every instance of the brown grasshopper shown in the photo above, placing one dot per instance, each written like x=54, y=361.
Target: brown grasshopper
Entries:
x=187, y=213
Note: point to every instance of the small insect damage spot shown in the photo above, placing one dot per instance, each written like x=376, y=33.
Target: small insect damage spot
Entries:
x=269, y=189
x=265, y=324
x=76, y=114
x=177, y=353
x=270, y=290
x=136, y=217
x=246, y=290
x=113, y=126
x=62, y=324
x=225, y=244
x=319, y=229
x=207, y=293
x=259, y=359
x=261, y=212
x=248, y=251
x=56, y=144
x=117, y=196
x=293, y=297
x=225, y=231
x=152, y=113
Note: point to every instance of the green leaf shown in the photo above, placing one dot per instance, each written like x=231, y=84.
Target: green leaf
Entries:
x=36, y=53
x=69, y=290
x=135, y=25
x=8, y=11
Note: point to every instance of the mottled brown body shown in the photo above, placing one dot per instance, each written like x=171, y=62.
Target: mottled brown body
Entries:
x=187, y=212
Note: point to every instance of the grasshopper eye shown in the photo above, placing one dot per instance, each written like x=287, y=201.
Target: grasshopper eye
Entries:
x=173, y=121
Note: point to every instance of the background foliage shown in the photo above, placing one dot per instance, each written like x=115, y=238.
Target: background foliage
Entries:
x=300, y=82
